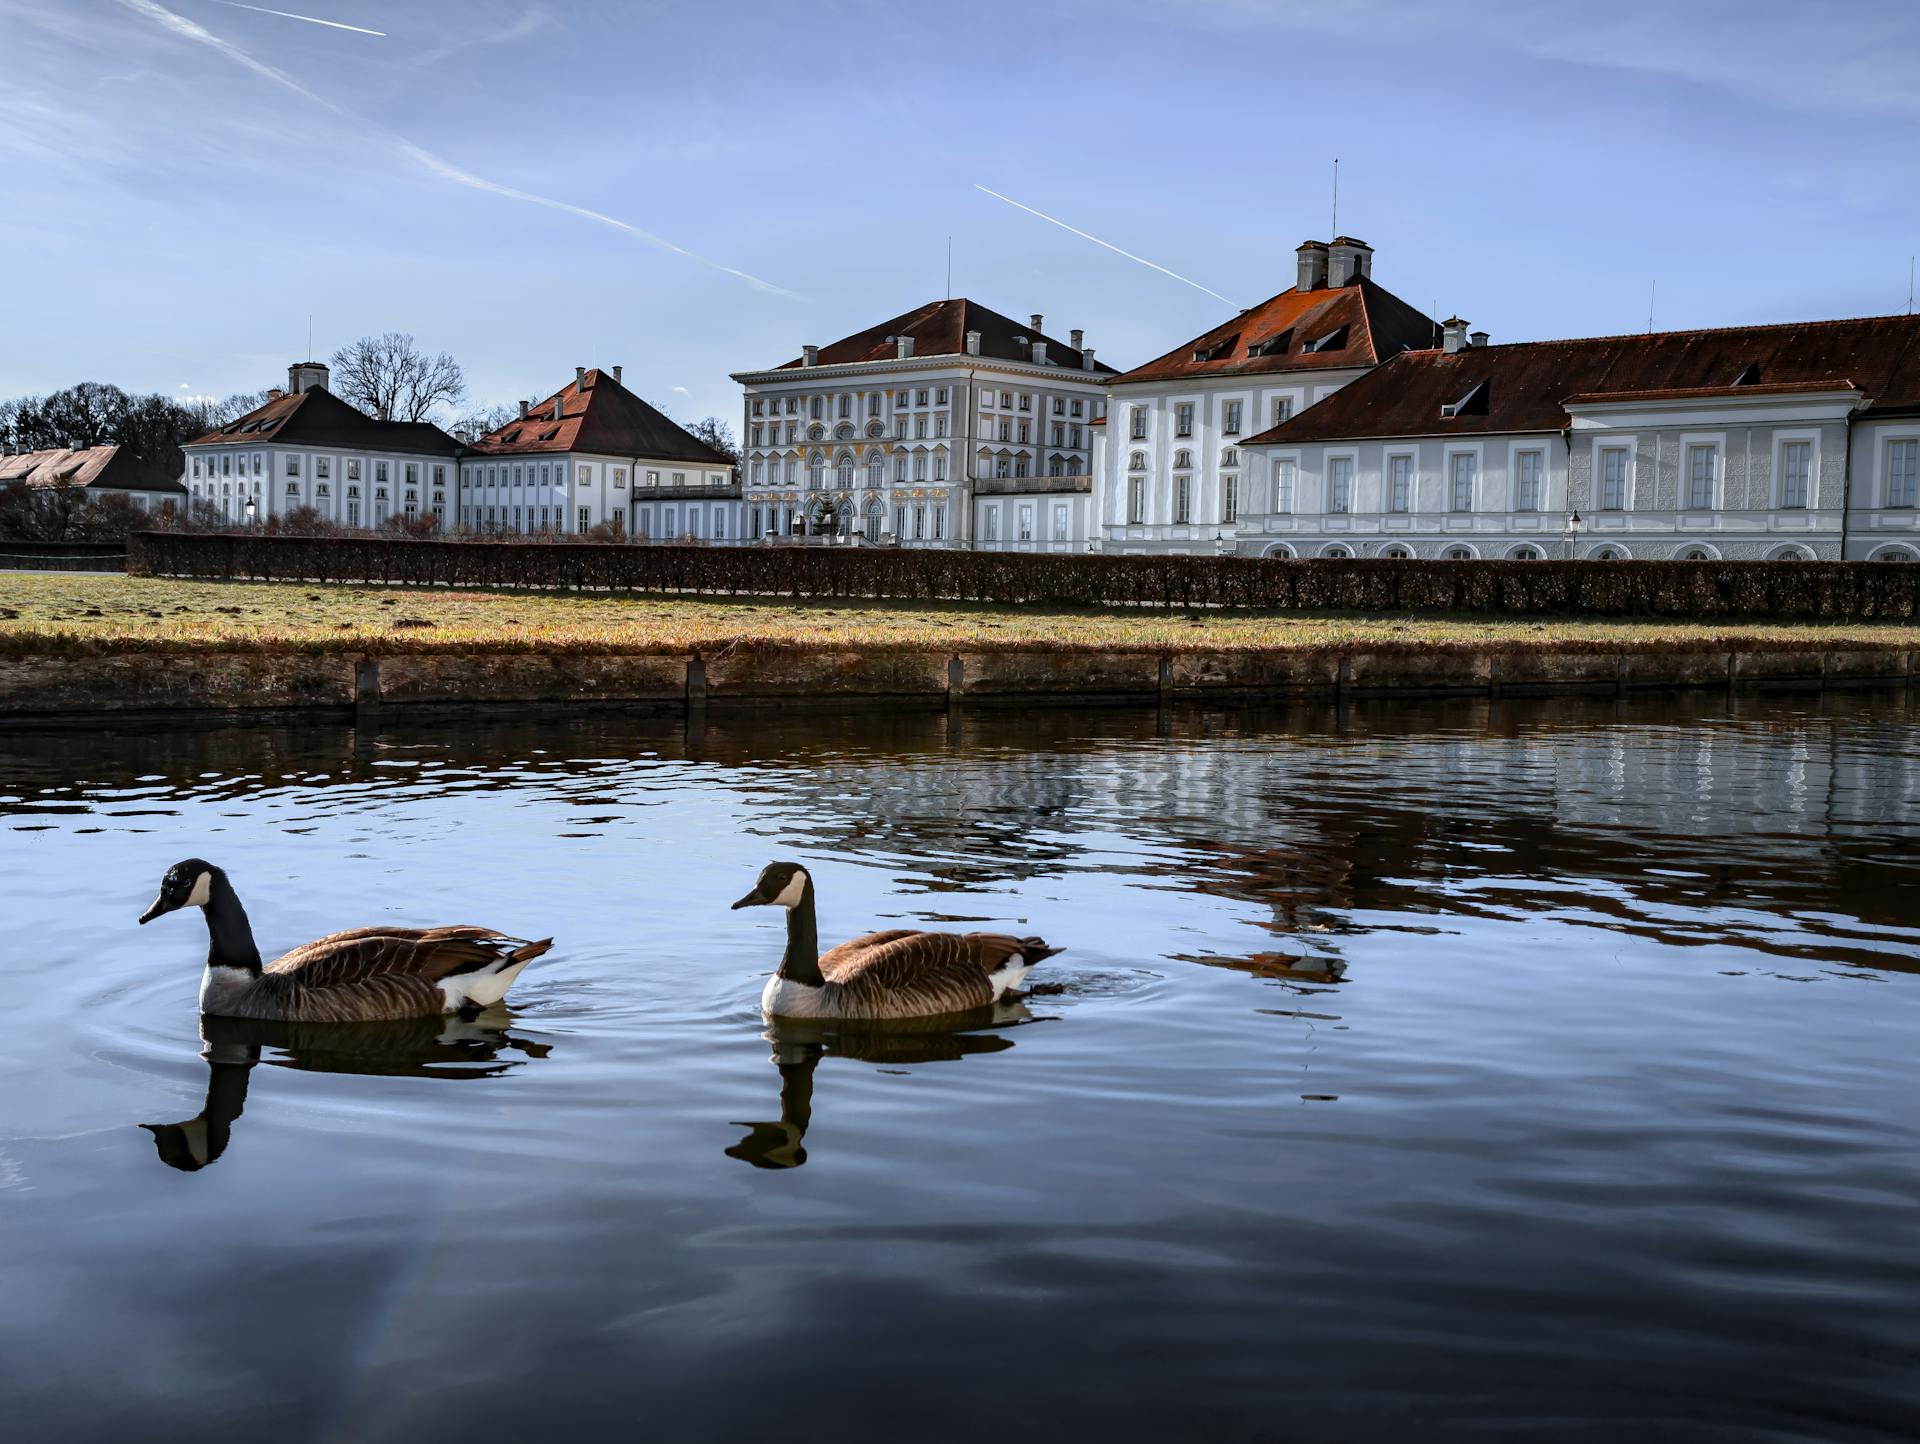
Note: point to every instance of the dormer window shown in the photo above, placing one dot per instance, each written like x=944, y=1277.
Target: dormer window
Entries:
x=1334, y=340
x=1474, y=401
x=1220, y=350
x=1750, y=376
x=1273, y=345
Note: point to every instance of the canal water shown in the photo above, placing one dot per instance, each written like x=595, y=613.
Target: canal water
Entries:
x=1530, y=1071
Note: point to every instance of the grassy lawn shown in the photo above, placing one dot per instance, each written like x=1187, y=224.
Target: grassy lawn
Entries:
x=91, y=613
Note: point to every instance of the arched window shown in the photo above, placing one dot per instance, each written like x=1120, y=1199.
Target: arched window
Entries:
x=1894, y=554
x=1698, y=554
x=1281, y=551
x=815, y=432
x=1608, y=554
x=1458, y=554
x=1183, y=461
x=875, y=515
x=1336, y=549
x=1396, y=552
x=816, y=471
x=1137, y=462
x=1524, y=554
x=1790, y=554
x=876, y=469
x=846, y=471
x=1230, y=456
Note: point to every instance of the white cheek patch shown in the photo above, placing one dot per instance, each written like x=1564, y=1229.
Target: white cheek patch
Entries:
x=202, y=890
x=795, y=889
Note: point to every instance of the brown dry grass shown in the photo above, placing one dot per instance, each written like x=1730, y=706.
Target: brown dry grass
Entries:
x=72, y=614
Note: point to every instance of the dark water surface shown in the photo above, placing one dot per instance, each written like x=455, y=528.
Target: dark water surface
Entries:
x=1512, y=1071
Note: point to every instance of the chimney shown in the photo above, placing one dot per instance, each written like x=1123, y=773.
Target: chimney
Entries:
x=1478, y=338
x=1039, y=353
x=902, y=347
x=616, y=376
x=580, y=378
x=1086, y=358
x=1076, y=339
x=523, y=410
x=1454, y=334
x=1348, y=260
x=274, y=393
x=1313, y=266
x=559, y=407
x=1036, y=318
x=973, y=343
x=809, y=355
x=380, y=411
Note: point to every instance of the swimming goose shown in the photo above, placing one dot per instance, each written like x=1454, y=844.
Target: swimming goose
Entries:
x=902, y=973
x=352, y=977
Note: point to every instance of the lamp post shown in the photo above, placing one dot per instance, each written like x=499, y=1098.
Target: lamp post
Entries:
x=1573, y=533
x=250, y=511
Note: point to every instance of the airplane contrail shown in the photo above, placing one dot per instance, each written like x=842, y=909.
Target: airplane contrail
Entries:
x=1153, y=265
x=419, y=155
x=310, y=19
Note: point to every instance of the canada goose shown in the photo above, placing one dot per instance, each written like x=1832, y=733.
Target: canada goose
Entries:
x=901, y=973
x=352, y=977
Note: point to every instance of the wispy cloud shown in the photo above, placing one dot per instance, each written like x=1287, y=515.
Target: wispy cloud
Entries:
x=529, y=23
x=1085, y=236
x=310, y=19
x=189, y=30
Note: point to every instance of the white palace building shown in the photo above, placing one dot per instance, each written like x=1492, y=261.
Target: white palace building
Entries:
x=1787, y=442
x=948, y=426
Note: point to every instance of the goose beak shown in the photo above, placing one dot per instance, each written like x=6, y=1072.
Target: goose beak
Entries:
x=159, y=907
x=746, y=902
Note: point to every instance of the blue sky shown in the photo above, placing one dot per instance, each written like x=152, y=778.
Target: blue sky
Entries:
x=185, y=181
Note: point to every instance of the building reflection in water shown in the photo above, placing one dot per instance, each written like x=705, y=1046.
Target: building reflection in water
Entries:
x=451, y=1046
x=1691, y=818
x=799, y=1045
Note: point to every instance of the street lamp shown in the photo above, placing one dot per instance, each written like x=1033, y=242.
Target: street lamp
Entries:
x=1573, y=533
x=250, y=511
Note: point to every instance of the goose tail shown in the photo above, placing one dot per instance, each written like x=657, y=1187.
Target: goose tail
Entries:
x=1035, y=950
x=527, y=952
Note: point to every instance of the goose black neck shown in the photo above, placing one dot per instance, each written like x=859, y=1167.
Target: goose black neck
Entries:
x=229, y=935
x=802, y=960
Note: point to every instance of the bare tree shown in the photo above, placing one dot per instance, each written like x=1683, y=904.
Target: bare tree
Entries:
x=717, y=434
x=388, y=376
x=476, y=423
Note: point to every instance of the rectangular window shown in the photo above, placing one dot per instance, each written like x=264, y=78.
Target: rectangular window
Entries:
x=1400, y=483
x=1060, y=521
x=1526, y=492
x=1282, y=409
x=259, y=464
x=1283, y=474
x=1230, y=498
x=1613, y=479
x=1795, y=461
x=1340, y=484
x=1700, y=478
x=1183, y=419
x=1137, y=423
x=1182, y=498
x=379, y=471
x=586, y=475
x=991, y=521
x=1026, y=521
x=620, y=476
x=1903, y=472
x=1137, y=501
x=1006, y=400
x=196, y=469
x=293, y=466
x=1461, y=470
x=1230, y=423
x=586, y=518
x=920, y=397
x=353, y=471
x=940, y=397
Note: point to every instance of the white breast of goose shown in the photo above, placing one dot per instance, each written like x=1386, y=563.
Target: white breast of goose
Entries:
x=222, y=990
x=784, y=998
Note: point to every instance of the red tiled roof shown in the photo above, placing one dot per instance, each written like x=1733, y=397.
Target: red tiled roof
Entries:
x=1688, y=393
x=1377, y=325
x=1528, y=385
x=316, y=417
x=601, y=418
x=940, y=328
x=108, y=467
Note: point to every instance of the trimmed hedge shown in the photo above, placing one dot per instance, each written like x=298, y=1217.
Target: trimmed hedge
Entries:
x=1828, y=591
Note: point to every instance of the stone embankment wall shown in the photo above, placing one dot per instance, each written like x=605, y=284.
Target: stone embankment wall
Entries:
x=239, y=681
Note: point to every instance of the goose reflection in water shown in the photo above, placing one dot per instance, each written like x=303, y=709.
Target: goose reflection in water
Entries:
x=459, y=1045
x=799, y=1044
